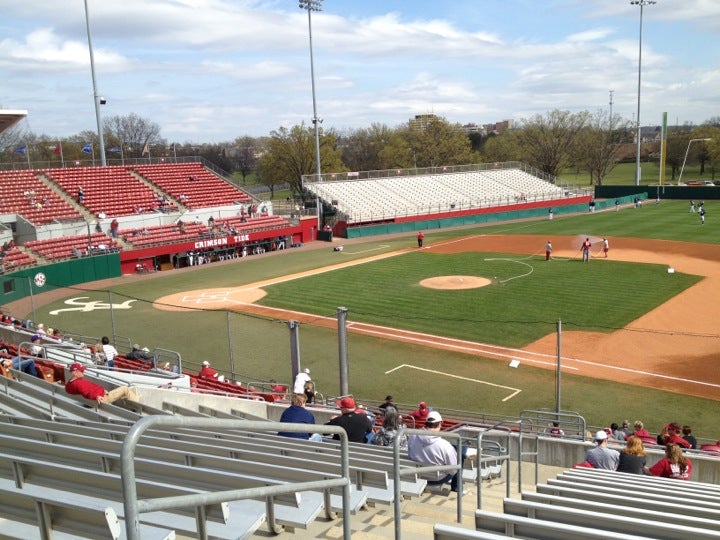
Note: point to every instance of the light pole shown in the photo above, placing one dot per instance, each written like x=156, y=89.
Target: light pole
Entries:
x=99, y=100
x=686, y=155
x=642, y=4
x=310, y=6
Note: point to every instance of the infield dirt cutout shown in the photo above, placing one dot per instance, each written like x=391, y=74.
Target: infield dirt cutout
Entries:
x=674, y=347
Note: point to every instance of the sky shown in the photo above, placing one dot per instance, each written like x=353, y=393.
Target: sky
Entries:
x=216, y=70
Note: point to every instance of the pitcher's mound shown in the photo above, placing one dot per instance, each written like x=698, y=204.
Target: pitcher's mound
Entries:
x=455, y=282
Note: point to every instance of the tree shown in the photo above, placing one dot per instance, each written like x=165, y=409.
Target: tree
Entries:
x=547, y=142
x=135, y=133
x=504, y=147
x=597, y=147
x=291, y=154
x=244, y=155
x=362, y=148
x=440, y=143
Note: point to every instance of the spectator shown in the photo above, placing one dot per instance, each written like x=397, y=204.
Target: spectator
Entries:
x=298, y=414
x=36, y=347
x=640, y=431
x=300, y=380
x=674, y=437
x=433, y=450
x=26, y=366
x=602, y=457
x=208, y=373
x=139, y=354
x=689, y=437
x=616, y=433
x=388, y=432
x=627, y=429
x=114, y=226
x=110, y=352
x=555, y=430
x=357, y=426
x=421, y=413
x=78, y=385
x=673, y=465
x=632, y=457
x=388, y=403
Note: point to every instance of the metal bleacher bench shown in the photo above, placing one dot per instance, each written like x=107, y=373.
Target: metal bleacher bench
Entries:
x=666, y=513
x=610, y=523
x=33, y=512
x=529, y=528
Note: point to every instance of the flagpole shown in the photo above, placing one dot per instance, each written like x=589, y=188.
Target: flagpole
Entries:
x=122, y=153
x=27, y=155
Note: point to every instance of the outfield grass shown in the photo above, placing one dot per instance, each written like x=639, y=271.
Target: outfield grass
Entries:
x=523, y=303
x=260, y=347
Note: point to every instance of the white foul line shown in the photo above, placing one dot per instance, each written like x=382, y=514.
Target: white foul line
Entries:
x=515, y=391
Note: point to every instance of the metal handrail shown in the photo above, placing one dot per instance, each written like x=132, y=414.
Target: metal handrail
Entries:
x=134, y=507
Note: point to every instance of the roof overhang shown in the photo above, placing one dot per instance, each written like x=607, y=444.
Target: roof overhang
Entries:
x=8, y=118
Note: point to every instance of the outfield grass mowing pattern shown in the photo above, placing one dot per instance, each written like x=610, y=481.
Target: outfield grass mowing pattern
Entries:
x=516, y=309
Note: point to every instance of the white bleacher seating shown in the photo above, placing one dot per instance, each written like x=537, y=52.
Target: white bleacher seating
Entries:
x=392, y=197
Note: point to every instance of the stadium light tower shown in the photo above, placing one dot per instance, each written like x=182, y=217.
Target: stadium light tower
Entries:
x=310, y=6
x=686, y=155
x=99, y=100
x=642, y=4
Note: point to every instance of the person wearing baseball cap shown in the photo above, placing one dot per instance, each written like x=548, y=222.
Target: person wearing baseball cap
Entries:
x=357, y=425
x=602, y=457
x=78, y=385
x=432, y=450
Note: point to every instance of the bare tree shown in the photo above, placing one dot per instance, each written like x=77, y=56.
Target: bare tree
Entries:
x=597, y=148
x=547, y=141
x=135, y=133
x=244, y=155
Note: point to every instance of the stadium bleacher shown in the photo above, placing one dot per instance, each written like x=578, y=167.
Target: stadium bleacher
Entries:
x=192, y=185
x=23, y=193
x=48, y=435
x=392, y=197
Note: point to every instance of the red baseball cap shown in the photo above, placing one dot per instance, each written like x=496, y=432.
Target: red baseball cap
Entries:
x=77, y=366
x=346, y=403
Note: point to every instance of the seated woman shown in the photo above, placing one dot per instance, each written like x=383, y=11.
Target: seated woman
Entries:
x=673, y=465
x=632, y=457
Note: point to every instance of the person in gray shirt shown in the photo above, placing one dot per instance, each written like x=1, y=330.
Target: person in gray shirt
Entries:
x=602, y=457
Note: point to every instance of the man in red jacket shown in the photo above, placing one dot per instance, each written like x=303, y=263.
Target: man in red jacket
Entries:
x=78, y=385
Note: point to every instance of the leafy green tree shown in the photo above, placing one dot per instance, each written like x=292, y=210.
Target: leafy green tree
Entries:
x=362, y=148
x=503, y=147
x=440, y=143
x=291, y=154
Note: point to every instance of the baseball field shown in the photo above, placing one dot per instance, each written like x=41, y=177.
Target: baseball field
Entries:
x=443, y=323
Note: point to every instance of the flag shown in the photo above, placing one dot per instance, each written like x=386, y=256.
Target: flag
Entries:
x=87, y=148
x=146, y=150
x=115, y=149
x=22, y=150
x=58, y=149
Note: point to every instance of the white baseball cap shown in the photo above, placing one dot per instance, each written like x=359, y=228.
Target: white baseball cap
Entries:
x=601, y=435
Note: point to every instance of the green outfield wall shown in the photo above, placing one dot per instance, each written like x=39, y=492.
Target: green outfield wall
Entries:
x=485, y=218
x=39, y=279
